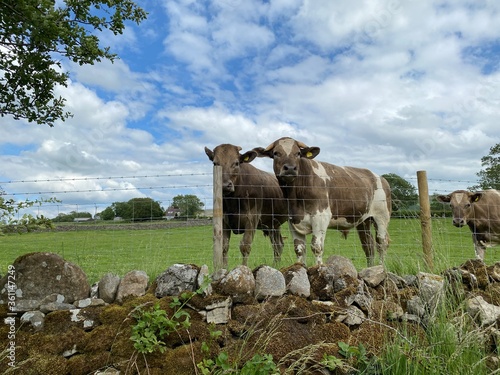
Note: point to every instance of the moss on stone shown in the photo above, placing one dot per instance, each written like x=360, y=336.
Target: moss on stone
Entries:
x=83, y=364
x=41, y=364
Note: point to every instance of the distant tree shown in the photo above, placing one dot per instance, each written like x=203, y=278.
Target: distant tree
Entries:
x=135, y=209
x=489, y=177
x=122, y=209
x=145, y=209
x=190, y=205
x=35, y=34
x=61, y=218
x=107, y=214
x=404, y=194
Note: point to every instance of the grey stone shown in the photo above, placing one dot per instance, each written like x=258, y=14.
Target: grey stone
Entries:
x=373, y=276
x=134, y=283
x=352, y=316
x=341, y=266
x=35, y=318
x=269, y=282
x=219, y=312
x=26, y=305
x=176, y=279
x=108, y=287
x=486, y=313
x=239, y=283
x=431, y=290
x=361, y=298
x=41, y=274
x=202, y=280
x=55, y=306
x=415, y=306
x=297, y=282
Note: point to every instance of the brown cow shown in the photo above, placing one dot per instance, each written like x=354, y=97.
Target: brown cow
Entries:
x=252, y=199
x=322, y=195
x=481, y=212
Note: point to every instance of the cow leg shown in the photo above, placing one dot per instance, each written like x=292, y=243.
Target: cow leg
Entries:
x=319, y=227
x=479, y=247
x=299, y=244
x=226, y=236
x=367, y=241
x=246, y=244
x=381, y=225
x=277, y=243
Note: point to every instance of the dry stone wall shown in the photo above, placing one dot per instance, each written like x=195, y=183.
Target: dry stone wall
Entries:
x=63, y=325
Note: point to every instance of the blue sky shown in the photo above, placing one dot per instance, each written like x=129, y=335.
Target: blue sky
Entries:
x=394, y=86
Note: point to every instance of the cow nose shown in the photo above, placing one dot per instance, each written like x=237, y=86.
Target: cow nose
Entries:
x=458, y=222
x=228, y=187
x=289, y=169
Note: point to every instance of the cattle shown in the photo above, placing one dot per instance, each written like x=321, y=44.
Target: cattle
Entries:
x=322, y=195
x=480, y=211
x=252, y=199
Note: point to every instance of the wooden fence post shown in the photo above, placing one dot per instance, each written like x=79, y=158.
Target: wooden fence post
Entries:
x=217, y=218
x=425, y=219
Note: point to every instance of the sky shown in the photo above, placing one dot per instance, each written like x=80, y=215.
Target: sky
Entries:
x=393, y=86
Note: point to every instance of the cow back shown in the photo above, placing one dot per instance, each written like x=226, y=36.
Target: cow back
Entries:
x=347, y=191
x=486, y=213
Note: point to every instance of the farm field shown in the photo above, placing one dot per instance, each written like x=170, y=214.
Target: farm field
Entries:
x=98, y=250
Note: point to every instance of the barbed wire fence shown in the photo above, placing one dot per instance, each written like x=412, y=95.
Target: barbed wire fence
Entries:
x=154, y=243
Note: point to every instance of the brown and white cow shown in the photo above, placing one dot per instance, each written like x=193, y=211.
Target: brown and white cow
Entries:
x=322, y=195
x=252, y=199
x=480, y=211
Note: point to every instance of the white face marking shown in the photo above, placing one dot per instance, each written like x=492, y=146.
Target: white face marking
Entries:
x=287, y=145
x=459, y=197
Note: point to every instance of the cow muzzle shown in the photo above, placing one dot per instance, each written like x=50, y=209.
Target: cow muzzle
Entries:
x=288, y=173
x=227, y=187
x=459, y=222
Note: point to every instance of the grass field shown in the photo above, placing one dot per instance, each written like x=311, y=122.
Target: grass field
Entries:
x=121, y=250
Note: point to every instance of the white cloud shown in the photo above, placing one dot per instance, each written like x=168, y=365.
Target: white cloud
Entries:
x=396, y=86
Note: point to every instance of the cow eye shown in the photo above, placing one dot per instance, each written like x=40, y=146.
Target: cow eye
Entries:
x=236, y=164
x=276, y=153
x=216, y=163
x=467, y=205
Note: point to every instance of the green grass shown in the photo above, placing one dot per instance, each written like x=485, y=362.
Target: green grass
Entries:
x=153, y=250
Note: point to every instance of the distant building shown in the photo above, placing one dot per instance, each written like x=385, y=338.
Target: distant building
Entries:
x=81, y=219
x=172, y=212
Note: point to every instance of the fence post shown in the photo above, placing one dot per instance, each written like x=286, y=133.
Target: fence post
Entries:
x=425, y=219
x=217, y=218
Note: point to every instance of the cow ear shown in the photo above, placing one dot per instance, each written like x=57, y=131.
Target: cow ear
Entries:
x=261, y=152
x=475, y=197
x=444, y=198
x=209, y=153
x=309, y=152
x=248, y=156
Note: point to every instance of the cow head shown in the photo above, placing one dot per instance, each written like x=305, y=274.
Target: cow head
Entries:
x=229, y=158
x=461, y=203
x=286, y=154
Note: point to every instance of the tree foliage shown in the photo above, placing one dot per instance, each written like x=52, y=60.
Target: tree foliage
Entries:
x=35, y=34
x=62, y=217
x=404, y=194
x=190, y=205
x=9, y=209
x=136, y=209
x=489, y=176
